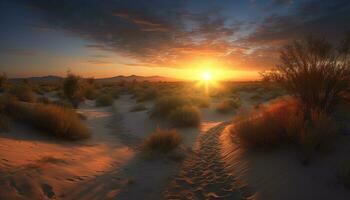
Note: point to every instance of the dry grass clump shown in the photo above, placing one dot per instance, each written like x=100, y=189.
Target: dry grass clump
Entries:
x=146, y=94
x=185, y=116
x=228, y=105
x=22, y=92
x=343, y=173
x=162, y=141
x=284, y=122
x=104, y=100
x=137, y=108
x=59, y=121
x=164, y=105
x=202, y=102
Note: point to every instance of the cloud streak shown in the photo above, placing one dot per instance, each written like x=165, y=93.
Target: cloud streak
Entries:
x=168, y=33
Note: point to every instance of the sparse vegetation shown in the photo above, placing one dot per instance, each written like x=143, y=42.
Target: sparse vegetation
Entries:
x=72, y=89
x=55, y=120
x=228, y=105
x=164, y=105
x=313, y=71
x=185, y=116
x=202, y=102
x=137, y=108
x=104, y=100
x=162, y=141
x=284, y=122
x=22, y=91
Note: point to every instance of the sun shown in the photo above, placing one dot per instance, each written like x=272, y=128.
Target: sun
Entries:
x=207, y=76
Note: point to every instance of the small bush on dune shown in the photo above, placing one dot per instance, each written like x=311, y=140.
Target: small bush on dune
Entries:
x=185, y=116
x=202, y=102
x=162, y=141
x=164, y=105
x=138, y=107
x=228, y=105
x=72, y=89
x=146, y=94
x=104, y=100
x=89, y=92
x=22, y=91
x=58, y=121
x=285, y=122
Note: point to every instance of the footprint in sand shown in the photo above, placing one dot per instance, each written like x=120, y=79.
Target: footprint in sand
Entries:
x=203, y=176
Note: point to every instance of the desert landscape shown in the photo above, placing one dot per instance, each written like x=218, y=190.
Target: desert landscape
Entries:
x=174, y=100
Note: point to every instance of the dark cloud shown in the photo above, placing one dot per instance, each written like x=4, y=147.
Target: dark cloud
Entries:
x=323, y=18
x=17, y=52
x=164, y=32
x=281, y=2
x=150, y=31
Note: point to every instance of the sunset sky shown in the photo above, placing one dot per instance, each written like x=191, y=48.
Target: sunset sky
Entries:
x=235, y=39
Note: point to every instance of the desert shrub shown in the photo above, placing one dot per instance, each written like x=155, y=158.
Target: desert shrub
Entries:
x=162, y=141
x=56, y=120
x=104, y=100
x=164, y=105
x=138, y=107
x=22, y=92
x=285, y=122
x=146, y=94
x=228, y=105
x=89, y=92
x=313, y=71
x=185, y=116
x=203, y=102
x=343, y=173
x=72, y=89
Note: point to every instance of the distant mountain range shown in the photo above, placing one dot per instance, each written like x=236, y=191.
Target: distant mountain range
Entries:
x=110, y=79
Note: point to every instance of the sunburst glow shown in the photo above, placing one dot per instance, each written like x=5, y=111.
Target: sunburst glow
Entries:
x=207, y=76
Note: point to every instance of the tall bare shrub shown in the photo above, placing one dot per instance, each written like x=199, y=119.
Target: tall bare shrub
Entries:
x=314, y=71
x=72, y=89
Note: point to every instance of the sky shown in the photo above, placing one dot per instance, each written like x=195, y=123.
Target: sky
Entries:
x=234, y=39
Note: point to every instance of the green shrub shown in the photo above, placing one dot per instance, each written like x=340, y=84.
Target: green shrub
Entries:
x=104, y=100
x=55, y=120
x=164, y=105
x=228, y=105
x=162, y=141
x=185, y=116
x=22, y=91
x=138, y=107
x=343, y=173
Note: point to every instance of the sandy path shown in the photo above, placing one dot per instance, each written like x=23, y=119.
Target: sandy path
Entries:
x=203, y=175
